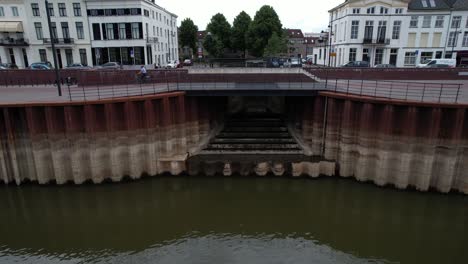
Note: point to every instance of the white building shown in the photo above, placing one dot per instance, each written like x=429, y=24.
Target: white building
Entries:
x=399, y=32
x=132, y=32
x=89, y=32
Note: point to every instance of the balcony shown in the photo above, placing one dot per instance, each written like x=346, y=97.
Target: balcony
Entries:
x=59, y=41
x=21, y=42
x=378, y=41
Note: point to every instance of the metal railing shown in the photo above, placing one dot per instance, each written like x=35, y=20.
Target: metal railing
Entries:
x=14, y=42
x=59, y=41
x=398, y=90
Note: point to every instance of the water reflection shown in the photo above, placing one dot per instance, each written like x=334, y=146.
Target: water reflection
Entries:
x=231, y=220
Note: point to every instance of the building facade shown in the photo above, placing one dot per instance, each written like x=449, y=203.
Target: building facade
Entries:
x=89, y=32
x=399, y=32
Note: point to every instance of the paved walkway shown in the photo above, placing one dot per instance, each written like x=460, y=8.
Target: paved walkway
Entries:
x=402, y=90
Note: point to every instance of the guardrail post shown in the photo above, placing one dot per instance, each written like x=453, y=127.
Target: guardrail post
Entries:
x=336, y=85
x=424, y=91
x=440, y=95
x=375, y=89
x=84, y=93
x=347, y=88
x=406, y=94
x=458, y=92
x=99, y=95
x=391, y=90
x=362, y=84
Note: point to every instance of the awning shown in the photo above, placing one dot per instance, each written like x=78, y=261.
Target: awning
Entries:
x=11, y=26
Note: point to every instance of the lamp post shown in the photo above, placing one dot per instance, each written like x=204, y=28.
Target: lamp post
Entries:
x=330, y=34
x=54, y=52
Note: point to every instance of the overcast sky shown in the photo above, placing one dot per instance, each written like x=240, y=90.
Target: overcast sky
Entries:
x=308, y=15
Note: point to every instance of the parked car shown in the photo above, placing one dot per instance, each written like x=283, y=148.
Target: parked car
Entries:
x=41, y=66
x=450, y=62
x=384, y=66
x=110, y=66
x=8, y=66
x=359, y=64
x=438, y=66
x=188, y=62
x=295, y=63
x=78, y=66
x=173, y=65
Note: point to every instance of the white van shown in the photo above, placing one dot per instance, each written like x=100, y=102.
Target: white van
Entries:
x=438, y=63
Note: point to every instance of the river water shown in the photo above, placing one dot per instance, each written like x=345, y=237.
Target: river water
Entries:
x=231, y=220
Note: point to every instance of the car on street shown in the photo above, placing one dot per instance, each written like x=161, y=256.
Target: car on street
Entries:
x=188, y=62
x=78, y=66
x=295, y=63
x=357, y=64
x=41, y=66
x=110, y=66
x=438, y=66
x=384, y=66
x=429, y=63
x=173, y=65
x=8, y=66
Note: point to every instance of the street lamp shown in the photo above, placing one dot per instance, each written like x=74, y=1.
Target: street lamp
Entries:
x=54, y=52
x=330, y=34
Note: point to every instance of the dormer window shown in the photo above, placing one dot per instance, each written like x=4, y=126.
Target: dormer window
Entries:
x=428, y=3
x=356, y=10
x=399, y=11
x=383, y=10
x=371, y=10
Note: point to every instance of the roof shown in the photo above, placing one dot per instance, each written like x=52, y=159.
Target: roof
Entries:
x=438, y=5
x=295, y=33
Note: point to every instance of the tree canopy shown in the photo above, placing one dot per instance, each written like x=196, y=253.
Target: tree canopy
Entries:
x=213, y=45
x=188, y=34
x=275, y=46
x=239, y=31
x=220, y=28
x=265, y=23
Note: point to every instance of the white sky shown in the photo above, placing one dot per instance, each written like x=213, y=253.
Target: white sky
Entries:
x=308, y=15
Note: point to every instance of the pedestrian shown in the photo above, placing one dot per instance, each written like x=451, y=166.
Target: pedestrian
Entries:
x=143, y=73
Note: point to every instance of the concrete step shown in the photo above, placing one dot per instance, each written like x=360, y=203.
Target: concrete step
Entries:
x=253, y=141
x=252, y=146
x=255, y=129
x=259, y=135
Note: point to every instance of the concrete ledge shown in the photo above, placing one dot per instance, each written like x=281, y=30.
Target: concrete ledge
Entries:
x=245, y=71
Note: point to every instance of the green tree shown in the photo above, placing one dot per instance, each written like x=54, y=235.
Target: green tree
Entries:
x=213, y=45
x=220, y=28
x=239, y=31
x=265, y=23
x=276, y=45
x=188, y=34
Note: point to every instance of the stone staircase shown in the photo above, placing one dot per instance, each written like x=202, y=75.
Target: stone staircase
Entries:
x=254, y=133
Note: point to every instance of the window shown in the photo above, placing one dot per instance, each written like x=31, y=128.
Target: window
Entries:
x=35, y=9
x=425, y=56
x=2, y=12
x=62, y=9
x=53, y=26
x=14, y=10
x=354, y=29
x=371, y=10
x=410, y=58
x=382, y=32
x=154, y=30
x=352, y=54
x=108, y=12
x=356, y=10
x=79, y=30
x=438, y=55
x=383, y=10
x=396, y=29
x=65, y=30
x=378, y=56
x=77, y=9
x=369, y=31
x=43, y=55
x=146, y=12
x=110, y=31
x=439, y=22
x=135, y=11
x=465, y=39
x=448, y=54
x=399, y=11
x=96, y=32
x=452, y=39
x=122, y=31
x=83, y=57
x=50, y=7
x=120, y=12
x=456, y=21
x=69, y=56
x=414, y=22
x=38, y=27
x=427, y=21
x=152, y=14
x=135, y=31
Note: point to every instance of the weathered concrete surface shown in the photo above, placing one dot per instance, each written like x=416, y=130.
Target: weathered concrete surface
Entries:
x=103, y=140
x=402, y=145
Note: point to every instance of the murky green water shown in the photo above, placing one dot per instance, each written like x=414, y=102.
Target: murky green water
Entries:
x=231, y=220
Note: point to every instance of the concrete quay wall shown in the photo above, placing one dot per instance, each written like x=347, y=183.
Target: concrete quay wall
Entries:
x=106, y=140
x=401, y=144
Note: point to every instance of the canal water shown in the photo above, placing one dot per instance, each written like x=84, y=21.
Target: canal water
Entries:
x=231, y=220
